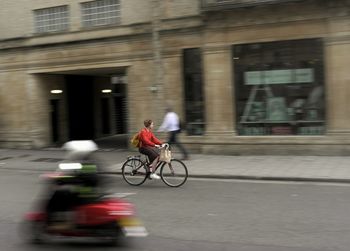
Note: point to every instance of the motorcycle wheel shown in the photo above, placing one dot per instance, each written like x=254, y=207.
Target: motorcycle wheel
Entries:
x=113, y=236
x=33, y=232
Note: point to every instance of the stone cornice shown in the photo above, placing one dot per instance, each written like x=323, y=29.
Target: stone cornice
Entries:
x=340, y=39
x=215, y=48
x=51, y=64
x=210, y=5
x=298, y=12
x=59, y=59
x=191, y=24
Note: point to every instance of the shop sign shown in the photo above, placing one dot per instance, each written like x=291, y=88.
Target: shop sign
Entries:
x=290, y=76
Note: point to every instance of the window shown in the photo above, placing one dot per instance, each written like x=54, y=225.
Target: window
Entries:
x=51, y=19
x=280, y=88
x=194, y=96
x=100, y=12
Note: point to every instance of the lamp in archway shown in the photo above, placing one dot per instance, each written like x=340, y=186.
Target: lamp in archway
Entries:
x=57, y=91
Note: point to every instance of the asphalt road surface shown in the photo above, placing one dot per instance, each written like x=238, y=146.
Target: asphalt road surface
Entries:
x=205, y=215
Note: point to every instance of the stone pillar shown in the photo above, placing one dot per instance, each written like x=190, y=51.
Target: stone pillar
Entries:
x=140, y=96
x=219, y=100
x=337, y=61
x=15, y=110
x=338, y=88
x=173, y=84
x=38, y=110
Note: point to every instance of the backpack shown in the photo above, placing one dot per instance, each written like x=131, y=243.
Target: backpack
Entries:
x=135, y=140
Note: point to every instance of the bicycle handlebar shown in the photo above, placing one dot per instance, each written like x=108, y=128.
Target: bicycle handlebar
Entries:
x=165, y=145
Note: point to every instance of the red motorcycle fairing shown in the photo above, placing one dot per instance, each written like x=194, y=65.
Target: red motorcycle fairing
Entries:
x=35, y=216
x=96, y=213
x=102, y=212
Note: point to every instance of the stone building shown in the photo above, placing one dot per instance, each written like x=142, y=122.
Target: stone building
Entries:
x=246, y=76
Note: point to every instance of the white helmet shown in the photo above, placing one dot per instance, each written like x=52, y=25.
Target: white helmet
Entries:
x=79, y=149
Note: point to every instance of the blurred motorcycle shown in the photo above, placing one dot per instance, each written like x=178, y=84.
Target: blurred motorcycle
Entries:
x=72, y=208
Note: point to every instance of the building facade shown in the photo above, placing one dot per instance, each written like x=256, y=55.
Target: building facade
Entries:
x=245, y=76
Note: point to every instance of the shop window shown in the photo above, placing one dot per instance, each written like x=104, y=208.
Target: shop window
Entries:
x=279, y=88
x=193, y=92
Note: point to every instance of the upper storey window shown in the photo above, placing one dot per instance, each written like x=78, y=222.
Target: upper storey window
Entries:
x=52, y=19
x=100, y=12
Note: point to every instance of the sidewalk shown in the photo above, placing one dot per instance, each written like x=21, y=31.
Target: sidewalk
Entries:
x=291, y=168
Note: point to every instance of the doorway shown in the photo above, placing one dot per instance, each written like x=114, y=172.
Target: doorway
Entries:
x=92, y=105
x=54, y=103
x=120, y=108
x=105, y=112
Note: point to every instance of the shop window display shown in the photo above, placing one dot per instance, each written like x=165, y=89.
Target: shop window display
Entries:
x=279, y=88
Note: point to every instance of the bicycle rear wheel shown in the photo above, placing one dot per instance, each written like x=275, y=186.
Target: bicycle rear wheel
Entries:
x=174, y=174
x=134, y=172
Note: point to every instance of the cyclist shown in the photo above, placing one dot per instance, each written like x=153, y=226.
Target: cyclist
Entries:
x=148, y=146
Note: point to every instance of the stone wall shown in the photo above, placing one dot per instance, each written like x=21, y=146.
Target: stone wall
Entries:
x=17, y=18
x=30, y=67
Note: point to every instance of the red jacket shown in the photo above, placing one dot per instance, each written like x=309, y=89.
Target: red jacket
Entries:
x=147, y=138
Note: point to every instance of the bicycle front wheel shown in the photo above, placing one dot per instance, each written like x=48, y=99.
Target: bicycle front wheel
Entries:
x=134, y=172
x=174, y=174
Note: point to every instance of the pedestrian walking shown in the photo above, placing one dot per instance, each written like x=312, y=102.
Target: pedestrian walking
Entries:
x=171, y=124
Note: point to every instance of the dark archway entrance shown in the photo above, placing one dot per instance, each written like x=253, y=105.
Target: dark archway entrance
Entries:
x=55, y=119
x=89, y=104
x=80, y=102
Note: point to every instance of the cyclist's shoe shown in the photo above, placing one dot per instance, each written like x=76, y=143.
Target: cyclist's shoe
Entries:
x=154, y=176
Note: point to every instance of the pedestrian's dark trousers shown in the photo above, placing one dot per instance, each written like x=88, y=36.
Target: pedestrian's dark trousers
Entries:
x=173, y=141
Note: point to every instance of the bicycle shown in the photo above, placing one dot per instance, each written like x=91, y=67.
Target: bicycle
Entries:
x=136, y=170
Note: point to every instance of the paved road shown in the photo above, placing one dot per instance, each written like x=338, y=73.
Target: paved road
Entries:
x=208, y=215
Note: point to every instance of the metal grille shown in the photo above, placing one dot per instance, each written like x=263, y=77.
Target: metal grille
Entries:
x=100, y=12
x=51, y=19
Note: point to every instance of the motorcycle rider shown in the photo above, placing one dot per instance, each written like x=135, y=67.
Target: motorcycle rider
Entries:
x=77, y=182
